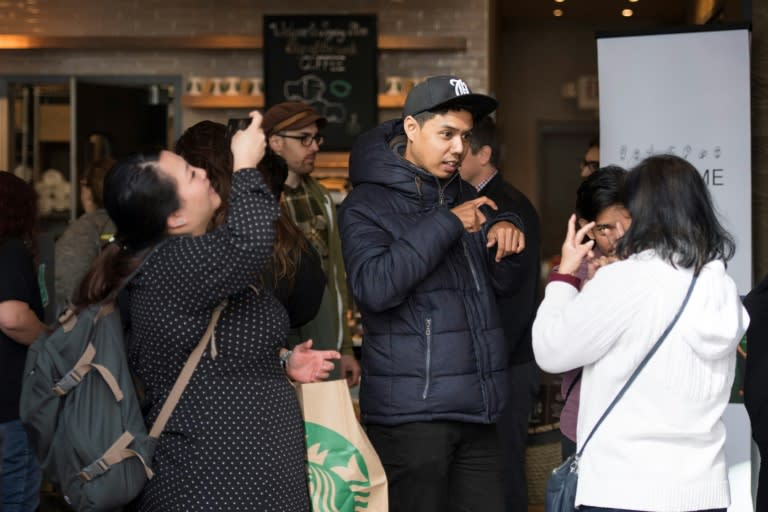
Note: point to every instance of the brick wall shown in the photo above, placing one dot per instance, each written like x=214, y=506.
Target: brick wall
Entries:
x=465, y=18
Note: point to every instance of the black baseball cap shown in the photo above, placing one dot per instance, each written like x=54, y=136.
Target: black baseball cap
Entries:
x=447, y=91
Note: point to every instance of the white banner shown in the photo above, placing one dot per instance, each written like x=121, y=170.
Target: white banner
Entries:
x=685, y=94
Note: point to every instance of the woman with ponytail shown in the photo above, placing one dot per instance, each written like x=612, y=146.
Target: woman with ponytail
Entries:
x=236, y=439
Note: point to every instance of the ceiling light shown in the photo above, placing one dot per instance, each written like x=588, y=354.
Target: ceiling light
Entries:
x=562, y=1
x=557, y=13
x=633, y=1
x=627, y=13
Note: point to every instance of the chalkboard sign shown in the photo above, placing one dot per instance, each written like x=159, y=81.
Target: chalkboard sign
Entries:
x=328, y=62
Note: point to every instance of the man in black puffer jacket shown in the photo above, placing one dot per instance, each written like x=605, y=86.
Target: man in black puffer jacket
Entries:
x=425, y=258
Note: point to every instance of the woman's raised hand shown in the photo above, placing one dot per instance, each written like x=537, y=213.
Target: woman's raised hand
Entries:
x=248, y=146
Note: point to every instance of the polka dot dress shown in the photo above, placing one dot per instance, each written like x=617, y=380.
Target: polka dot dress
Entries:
x=235, y=441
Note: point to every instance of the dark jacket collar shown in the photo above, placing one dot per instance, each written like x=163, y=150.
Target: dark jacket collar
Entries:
x=376, y=158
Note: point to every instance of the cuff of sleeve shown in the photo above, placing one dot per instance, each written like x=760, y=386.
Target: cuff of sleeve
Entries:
x=347, y=347
x=565, y=278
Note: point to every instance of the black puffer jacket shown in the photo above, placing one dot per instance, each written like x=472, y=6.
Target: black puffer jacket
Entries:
x=434, y=348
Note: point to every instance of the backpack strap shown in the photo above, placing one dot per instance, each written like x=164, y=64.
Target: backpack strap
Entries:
x=186, y=374
x=84, y=365
x=119, y=450
x=69, y=318
x=115, y=454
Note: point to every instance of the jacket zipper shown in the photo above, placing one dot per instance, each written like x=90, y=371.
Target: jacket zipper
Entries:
x=428, y=333
x=471, y=265
x=417, y=180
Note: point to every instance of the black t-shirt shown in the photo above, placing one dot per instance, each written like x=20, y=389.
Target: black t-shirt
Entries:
x=18, y=281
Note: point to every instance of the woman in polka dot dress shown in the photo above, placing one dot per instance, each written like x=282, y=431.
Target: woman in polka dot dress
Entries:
x=235, y=441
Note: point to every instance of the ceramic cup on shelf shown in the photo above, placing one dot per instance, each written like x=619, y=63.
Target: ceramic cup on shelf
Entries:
x=255, y=86
x=217, y=86
x=394, y=85
x=230, y=86
x=195, y=85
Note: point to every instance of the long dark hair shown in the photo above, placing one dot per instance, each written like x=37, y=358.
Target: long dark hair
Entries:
x=138, y=199
x=672, y=213
x=18, y=204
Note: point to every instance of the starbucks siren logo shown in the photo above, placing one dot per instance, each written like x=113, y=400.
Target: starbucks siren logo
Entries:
x=338, y=476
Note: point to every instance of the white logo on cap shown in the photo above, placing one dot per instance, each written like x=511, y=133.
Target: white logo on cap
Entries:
x=459, y=85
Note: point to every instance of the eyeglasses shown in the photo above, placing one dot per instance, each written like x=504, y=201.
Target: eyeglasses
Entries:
x=306, y=139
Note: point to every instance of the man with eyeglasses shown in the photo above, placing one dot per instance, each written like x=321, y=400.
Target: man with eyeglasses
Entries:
x=591, y=161
x=293, y=132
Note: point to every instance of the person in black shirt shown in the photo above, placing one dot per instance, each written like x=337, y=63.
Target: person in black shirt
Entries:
x=20, y=312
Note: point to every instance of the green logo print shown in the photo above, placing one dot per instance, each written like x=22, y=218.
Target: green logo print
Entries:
x=338, y=476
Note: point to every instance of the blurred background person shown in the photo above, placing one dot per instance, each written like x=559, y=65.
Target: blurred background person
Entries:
x=755, y=389
x=591, y=161
x=516, y=309
x=81, y=242
x=20, y=312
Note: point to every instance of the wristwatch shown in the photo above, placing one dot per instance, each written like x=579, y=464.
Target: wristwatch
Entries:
x=284, y=358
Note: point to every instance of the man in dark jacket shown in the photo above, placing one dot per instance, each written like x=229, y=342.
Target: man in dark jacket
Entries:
x=516, y=309
x=425, y=258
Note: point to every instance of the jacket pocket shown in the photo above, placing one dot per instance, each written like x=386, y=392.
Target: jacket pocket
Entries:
x=427, y=356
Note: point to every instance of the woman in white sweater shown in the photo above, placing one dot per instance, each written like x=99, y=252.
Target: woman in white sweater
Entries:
x=662, y=448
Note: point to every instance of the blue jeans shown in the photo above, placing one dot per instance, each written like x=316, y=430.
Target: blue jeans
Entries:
x=19, y=474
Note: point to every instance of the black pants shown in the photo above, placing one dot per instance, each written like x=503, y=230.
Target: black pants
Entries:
x=440, y=466
x=522, y=387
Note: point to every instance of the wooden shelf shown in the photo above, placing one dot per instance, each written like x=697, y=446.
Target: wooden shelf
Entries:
x=222, y=101
x=331, y=160
x=386, y=101
x=422, y=43
x=204, y=42
x=391, y=100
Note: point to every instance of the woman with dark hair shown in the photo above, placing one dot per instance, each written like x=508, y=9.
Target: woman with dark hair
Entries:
x=236, y=438
x=81, y=242
x=20, y=312
x=663, y=446
x=295, y=272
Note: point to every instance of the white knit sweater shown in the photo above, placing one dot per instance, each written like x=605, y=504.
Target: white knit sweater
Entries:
x=662, y=448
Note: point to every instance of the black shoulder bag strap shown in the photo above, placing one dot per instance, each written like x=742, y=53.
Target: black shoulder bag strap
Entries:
x=641, y=365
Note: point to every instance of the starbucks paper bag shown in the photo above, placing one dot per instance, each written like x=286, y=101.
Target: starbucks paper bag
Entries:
x=345, y=474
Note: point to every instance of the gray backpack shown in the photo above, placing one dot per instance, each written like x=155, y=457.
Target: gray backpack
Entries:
x=79, y=405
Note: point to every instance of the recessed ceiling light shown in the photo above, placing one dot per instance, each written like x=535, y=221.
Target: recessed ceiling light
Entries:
x=562, y=1
x=633, y=1
x=557, y=13
x=627, y=13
